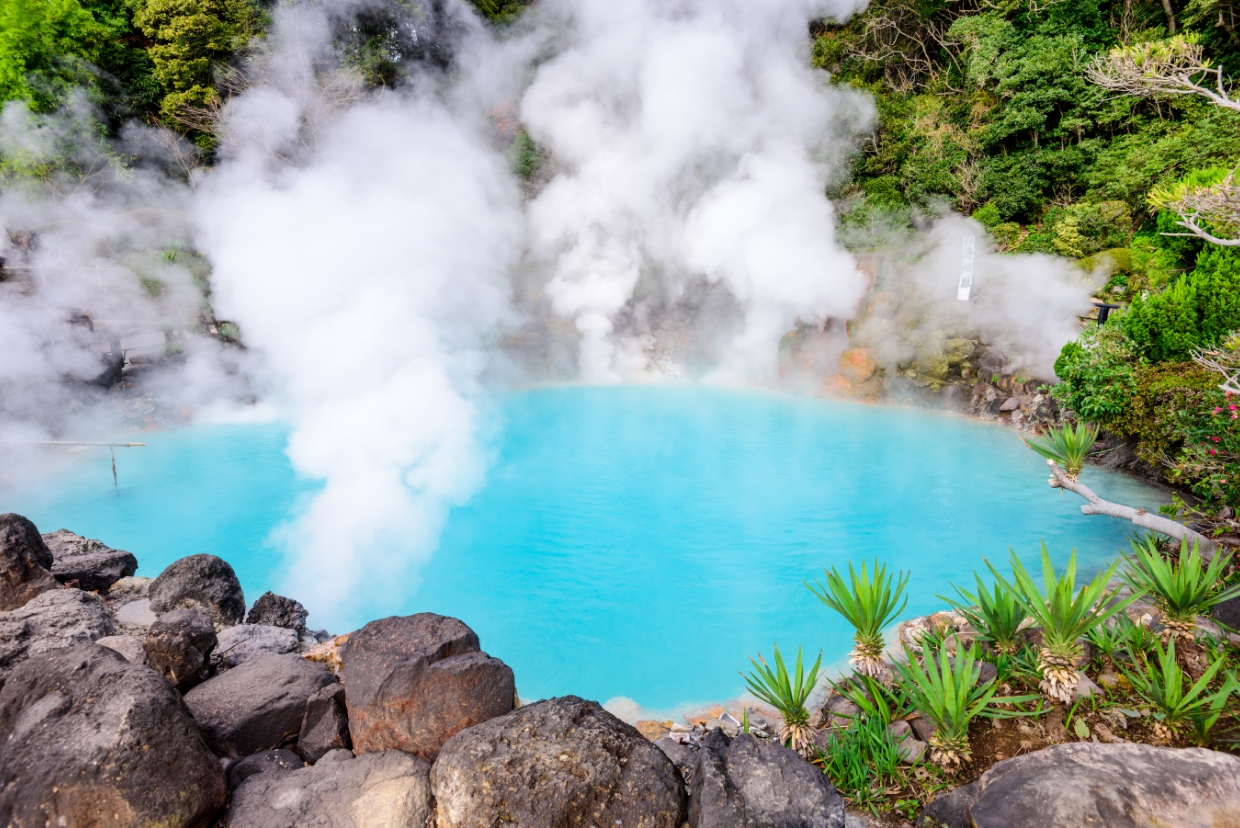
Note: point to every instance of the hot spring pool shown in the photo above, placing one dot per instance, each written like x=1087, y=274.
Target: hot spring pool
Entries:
x=636, y=542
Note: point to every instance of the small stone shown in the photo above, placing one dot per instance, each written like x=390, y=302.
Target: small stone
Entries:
x=277, y=611
x=25, y=562
x=136, y=616
x=243, y=642
x=202, y=582
x=179, y=646
x=325, y=725
x=327, y=653
x=132, y=647
x=133, y=586
x=94, y=565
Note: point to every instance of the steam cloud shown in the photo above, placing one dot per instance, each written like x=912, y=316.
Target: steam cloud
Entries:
x=370, y=246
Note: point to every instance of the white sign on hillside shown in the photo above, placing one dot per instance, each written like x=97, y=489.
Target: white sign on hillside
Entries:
x=966, y=269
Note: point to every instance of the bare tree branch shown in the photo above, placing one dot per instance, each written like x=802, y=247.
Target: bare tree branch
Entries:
x=1155, y=523
x=1170, y=67
x=1224, y=361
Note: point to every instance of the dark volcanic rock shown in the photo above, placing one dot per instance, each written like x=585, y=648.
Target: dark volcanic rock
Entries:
x=278, y=611
x=416, y=680
x=243, y=642
x=178, y=647
x=92, y=564
x=1119, y=786
x=50, y=621
x=256, y=706
x=202, y=582
x=560, y=763
x=88, y=739
x=682, y=756
x=325, y=725
x=268, y=761
x=132, y=647
x=25, y=562
x=749, y=782
x=373, y=791
x=949, y=810
x=1228, y=612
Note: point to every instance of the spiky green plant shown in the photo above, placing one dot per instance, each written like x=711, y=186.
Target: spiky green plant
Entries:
x=861, y=761
x=1106, y=642
x=994, y=613
x=869, y=604
x=1065, y=615
x=874, y=699
x=1067, y=446
x=1138, y=638
x=945, y=690
x=1182, y=589
x=1162, y=683
x=787, y=694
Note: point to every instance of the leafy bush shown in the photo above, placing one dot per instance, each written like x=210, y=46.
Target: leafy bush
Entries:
x=1196, y=311
x=1098, y=373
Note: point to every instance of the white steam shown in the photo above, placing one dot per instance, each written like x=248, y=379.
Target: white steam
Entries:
x=694, y=141
x=367, y=279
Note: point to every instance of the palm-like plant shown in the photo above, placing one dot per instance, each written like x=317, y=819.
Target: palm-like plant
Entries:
x=994, y=613
x=1182, y=589
x=1065, y=614
x=874, y=699
x=787, y=694
x=869, y=604
x=1162, y=683
x=945, y=691
x=1066, y=446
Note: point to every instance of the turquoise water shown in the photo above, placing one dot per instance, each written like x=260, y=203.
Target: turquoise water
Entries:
x=637, y=542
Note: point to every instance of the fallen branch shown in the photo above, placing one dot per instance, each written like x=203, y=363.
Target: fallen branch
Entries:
x=1140, y=517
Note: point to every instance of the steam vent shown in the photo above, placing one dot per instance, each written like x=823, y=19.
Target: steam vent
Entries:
x=580, y=414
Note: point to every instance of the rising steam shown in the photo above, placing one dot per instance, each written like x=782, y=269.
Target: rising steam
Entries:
x=374, y=248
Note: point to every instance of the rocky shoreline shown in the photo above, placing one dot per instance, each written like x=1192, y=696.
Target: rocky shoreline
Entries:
x=128, y=701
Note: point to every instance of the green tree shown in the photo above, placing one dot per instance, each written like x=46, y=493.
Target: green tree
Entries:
x=46, y=47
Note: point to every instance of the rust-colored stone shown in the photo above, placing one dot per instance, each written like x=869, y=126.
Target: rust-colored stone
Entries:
x=328, y=653
x=413, y=682
x=857, y=365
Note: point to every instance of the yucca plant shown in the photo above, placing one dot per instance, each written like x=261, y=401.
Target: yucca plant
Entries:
x=787, y=694
x=945, y=691
x=1163, y=683
x=1182, y=589
x=1065, y=614
x=875, y=699
x=1138, y=638
x=1067, y=446
x=1106, y=642
x=994, y=613
x=869, y=603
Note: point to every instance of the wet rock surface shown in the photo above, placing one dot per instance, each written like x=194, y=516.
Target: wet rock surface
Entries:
x=415, y=681
x=93, y=564
x=244, y=642
x=389, y=788
x=746, y=781
x=1119, y=786
x=325, y=725
x=256, y=706
x=559, y=762
x=86, y=738
x=202, y=582
x=25, y=562
x=179, y=646
x=277, y=611
x=51, y=621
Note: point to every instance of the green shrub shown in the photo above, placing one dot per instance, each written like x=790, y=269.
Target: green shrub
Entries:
x=1098, y=373
x=862, y=761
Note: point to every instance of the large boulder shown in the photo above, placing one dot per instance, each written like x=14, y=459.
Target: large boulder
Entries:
x=415, y=681
x=25, y=562
x=178, y=647
x=746, y=782
x=50, y=621
x=243, y=642
x=1119, y=786
x=256, y=706
x=378, y=790
x=278, y=611
x=267, y=761
x=325, y=725
x=1228, y=612
x=202, y=582
x=94, y=565
x=560, y=763
x=86, y=738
